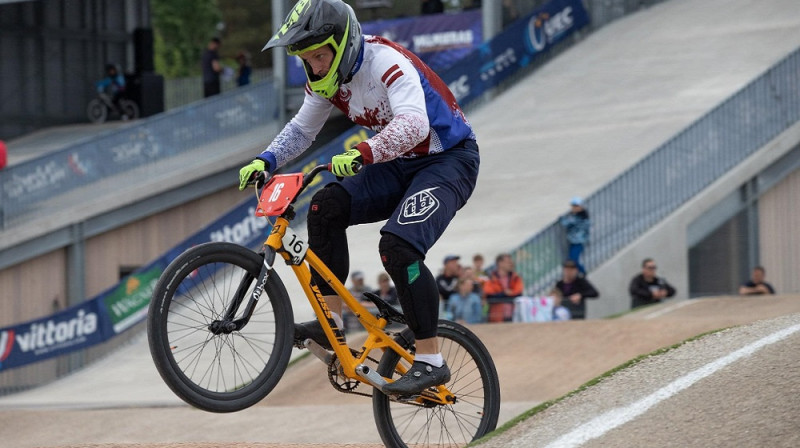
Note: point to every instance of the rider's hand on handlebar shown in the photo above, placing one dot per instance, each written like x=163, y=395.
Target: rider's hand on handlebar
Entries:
x=347, y=164
x=248, y=172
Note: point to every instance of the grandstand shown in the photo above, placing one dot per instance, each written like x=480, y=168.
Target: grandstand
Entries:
x=573, y=127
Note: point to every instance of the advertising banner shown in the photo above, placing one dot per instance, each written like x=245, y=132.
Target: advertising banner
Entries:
x=516, y=47
x=126, y=305
x=74, y=328
x=440, y=40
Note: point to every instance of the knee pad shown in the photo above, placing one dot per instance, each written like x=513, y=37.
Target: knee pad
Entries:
x=397, y=255
x=416, y=287
x=328, y=217
x=330, y=208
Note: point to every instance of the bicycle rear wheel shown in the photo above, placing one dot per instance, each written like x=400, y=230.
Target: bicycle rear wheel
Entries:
x=212, y=370
x=473, y=381
x=129, y=109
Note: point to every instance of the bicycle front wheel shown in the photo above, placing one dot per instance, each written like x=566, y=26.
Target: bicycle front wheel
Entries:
x=473, y=381
x=219, y=371
x=97, y=111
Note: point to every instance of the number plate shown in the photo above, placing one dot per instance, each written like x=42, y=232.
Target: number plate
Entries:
x=295, y=246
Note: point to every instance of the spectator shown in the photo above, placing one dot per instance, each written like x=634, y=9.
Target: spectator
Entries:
x=357, y=286
x=243, y=76
x=469, y=273
x=211, y=68
x=574, y=290
x=113, y=85
x=501, y=288
x=386, y=290
x=756, y=285
x=464, y=304
x=647, y=288
x=576, y=223
x=432, y=6
x=477, y=267
x=510, y=13
x=447, y=281
x=503, y=281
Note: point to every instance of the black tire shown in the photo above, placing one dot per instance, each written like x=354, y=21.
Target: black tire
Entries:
x=129, y=109
x=223, y=372
x=473, y=381
x=97, y=111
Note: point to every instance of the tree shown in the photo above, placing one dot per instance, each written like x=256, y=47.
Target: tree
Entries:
x=182, y=29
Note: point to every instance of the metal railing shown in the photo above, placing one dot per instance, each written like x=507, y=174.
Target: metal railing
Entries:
x=182, y=91
x=671, y=175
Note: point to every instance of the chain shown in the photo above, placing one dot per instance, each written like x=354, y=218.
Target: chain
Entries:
x=345, y=385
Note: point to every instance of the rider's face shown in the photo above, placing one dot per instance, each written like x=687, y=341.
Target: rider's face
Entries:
x=319, y=60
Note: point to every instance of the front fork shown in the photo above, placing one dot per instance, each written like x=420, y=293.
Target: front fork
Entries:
x=227, y=324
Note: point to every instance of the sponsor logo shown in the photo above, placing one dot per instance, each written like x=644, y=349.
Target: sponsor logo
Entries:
x=43, y=337
x=242, y=232
x=460, y=87
x=419, y=207
x=500, y=62
x=127, y=305
x=140, y=146
x=42, y=177
x=78, y=166
x=6, y=344
x=544, y=29
x=445, y=40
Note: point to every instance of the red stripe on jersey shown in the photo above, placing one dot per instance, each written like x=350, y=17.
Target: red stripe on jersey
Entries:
x=394, y=78
x=389, y=72
x=308, y=89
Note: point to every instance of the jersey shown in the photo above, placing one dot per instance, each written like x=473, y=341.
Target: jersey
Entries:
x=392, y=93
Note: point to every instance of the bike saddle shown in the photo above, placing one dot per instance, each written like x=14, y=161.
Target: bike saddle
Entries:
x=385, y=310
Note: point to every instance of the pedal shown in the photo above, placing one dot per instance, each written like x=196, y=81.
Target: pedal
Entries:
x=317, y=350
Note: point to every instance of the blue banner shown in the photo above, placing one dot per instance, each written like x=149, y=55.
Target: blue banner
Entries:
x=74, y=328
x=439, y=40
x=496, y=60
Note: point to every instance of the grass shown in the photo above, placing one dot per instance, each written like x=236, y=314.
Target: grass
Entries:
x=533, y=411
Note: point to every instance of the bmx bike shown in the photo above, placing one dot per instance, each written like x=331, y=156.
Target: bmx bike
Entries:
x=102, y=107
x=220, y=328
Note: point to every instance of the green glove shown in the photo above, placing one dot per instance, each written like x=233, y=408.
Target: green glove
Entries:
x=249, y=170
x=347, y=164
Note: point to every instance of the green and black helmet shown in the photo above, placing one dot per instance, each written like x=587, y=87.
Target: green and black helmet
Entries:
x=313, y=24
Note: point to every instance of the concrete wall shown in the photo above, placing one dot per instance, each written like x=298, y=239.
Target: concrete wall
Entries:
x=779, y=239
x=667, y=243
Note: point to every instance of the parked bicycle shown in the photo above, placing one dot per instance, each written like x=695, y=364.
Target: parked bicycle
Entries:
x=220, y=328
x=102, y=108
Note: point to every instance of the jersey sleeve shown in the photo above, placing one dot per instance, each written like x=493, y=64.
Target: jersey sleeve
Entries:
x=299, y=133
x=409, y=125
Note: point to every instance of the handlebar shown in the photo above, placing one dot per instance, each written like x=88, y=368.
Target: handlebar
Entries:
x=261, y=178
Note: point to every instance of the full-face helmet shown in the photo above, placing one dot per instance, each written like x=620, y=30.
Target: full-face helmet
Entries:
x=313, y=24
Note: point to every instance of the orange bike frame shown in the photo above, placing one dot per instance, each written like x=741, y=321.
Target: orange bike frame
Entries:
x=377, y=339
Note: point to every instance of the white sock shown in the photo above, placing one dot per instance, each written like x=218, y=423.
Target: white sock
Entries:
x=338, y=320
x=434, y=360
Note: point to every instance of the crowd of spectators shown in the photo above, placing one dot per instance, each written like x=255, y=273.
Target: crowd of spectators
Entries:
x=474, y=294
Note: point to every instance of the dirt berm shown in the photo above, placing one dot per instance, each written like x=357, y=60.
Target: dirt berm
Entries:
x=535, y=362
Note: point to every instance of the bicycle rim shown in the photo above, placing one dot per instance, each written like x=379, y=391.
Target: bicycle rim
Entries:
x=97, y=111
x=473, y=382
x=218, y=372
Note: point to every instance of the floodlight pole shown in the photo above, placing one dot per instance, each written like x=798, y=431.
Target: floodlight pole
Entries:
x=279, y=8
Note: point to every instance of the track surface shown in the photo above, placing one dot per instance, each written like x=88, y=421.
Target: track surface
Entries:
x=536, y=362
